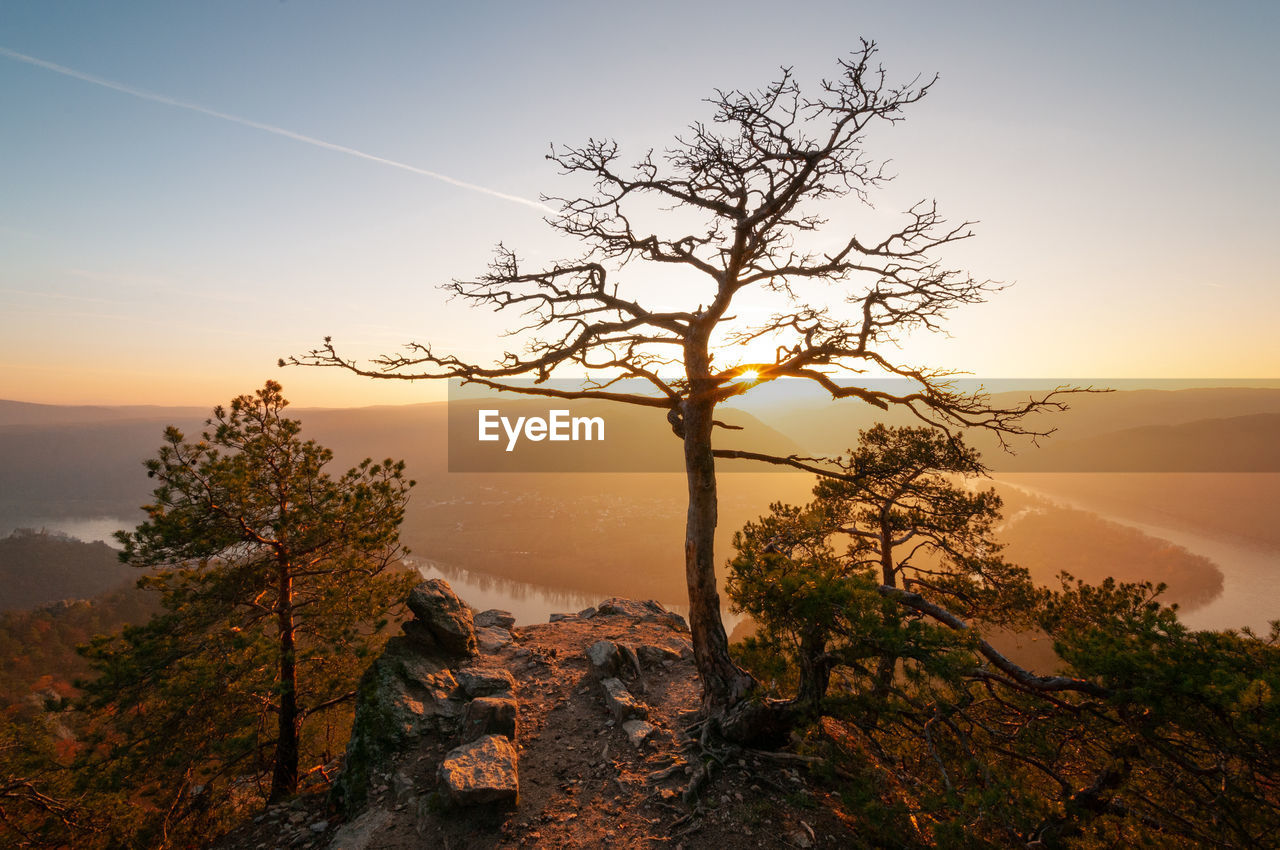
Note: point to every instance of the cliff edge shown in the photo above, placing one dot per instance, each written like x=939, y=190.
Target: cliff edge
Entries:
x=472, y=733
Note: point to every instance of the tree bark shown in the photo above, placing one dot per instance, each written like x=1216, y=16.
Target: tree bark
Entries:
x=815, y=671
x=284, y=773
x=889, y=576
x=723, y=683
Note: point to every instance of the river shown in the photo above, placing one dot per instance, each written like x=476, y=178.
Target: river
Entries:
x=529, y=602
x=1250, y=595
x=1250, y=573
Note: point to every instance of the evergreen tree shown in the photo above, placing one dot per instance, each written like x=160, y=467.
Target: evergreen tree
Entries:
x=1146, y=734
x=907, y=521
x=275, y=579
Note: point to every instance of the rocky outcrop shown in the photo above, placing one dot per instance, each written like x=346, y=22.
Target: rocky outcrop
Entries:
x=483, y=771
x=440, y=617
x=416, y=688
x=444, y=692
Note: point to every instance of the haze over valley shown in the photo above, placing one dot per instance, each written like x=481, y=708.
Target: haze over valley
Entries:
x=546, y=541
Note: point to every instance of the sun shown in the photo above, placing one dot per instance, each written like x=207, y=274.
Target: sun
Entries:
x=748, y=377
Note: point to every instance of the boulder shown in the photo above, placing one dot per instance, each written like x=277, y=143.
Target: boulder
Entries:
x=620, y=702
x=604, y=658
x=495, y=617
x=441, y=614
x=490, y=716
x=485, y=681
x=483, y=771
x=405, y=694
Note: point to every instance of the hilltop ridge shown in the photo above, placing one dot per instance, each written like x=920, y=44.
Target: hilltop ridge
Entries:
x=594, y=706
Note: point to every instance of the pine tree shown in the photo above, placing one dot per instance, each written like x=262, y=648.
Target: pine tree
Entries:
x=275, y=579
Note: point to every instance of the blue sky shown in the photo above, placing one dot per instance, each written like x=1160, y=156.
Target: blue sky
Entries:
x=1120, y=158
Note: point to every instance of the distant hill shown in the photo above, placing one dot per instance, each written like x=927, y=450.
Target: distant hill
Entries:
x=27, y=413
x=625, y=529
x=1239, y=444
x=1130, y=430
x=37, y=568
x=616, y=532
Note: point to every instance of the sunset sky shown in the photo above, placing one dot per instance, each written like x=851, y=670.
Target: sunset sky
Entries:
x=190, y=191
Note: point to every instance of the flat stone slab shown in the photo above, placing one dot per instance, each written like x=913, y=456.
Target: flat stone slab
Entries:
x=483, y=771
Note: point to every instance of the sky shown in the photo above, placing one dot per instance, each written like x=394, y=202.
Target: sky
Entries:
x=189, y=192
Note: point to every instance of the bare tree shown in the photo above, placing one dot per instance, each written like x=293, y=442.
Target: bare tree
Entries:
x=751, y=179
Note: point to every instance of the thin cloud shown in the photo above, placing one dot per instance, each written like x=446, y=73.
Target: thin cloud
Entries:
x=268, y=128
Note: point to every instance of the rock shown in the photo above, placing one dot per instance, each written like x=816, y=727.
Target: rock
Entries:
x=406, y=693
x=604, y=658
x=482, y=771
x=319, y=826
x=617, y=606
x=621, y=704
x=495, y=617
x=492, y=638
x=418, y=632
x=485, y=681
x=440, y=685
x=637, y=731
x=630, y=663
x=651, y=655
x=556, y=618
x=650, y=611
x=446, y=617
x=490, y=716
x=587, y=613
x=401, y=786
x=359, y=833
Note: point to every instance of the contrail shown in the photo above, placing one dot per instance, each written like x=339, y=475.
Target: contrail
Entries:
x=269, y=128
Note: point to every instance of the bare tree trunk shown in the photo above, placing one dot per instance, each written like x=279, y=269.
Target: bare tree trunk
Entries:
x=284, y=774
x=724, y=684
